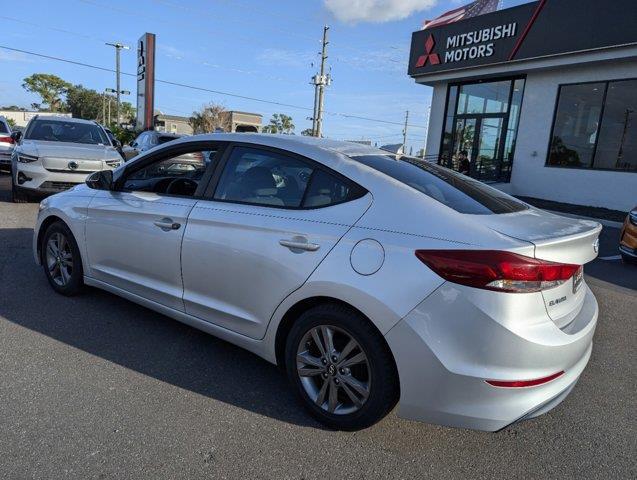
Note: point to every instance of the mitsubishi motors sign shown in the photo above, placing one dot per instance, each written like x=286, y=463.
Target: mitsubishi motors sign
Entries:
x=533, y=30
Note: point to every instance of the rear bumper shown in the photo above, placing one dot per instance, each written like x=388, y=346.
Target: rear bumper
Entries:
x=5, y=161
x=447, y=347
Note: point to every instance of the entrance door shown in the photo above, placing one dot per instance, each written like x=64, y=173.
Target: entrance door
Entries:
x=487, y=156
x=480, y=136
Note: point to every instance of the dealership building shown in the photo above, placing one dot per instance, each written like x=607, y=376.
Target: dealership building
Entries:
x=541, y=97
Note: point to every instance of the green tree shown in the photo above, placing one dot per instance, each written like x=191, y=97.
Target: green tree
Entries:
x=49, y=87
x=128, y=112
x=85, y=103
x=11, y=123
x=307, y=132
x=210, y=118
x=280, y=123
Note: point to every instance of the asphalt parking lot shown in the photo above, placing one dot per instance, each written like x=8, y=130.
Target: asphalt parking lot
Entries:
x=97, y=387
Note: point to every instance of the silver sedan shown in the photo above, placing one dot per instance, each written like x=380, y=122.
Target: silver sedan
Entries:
x=371, y=279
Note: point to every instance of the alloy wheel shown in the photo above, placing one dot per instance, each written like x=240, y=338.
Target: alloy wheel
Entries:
x=59, y=259
x=333, y=369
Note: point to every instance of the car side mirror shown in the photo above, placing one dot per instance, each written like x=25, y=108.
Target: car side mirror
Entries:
x=117, y=144
x=101, y=180
x=16, y=136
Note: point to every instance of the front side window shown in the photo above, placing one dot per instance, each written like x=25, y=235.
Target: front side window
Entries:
x=455, y=190
x=3, y=128
x=63, y=131
x=263, y=177
x=176, y=175
x=595, y=126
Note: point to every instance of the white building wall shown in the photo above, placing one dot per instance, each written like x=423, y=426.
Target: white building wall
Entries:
x=436, y=118
x=530, y=177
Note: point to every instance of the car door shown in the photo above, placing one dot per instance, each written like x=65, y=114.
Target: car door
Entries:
x=272, y=218
x=134, y=233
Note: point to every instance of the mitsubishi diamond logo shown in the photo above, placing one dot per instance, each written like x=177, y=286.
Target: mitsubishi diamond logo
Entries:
x=429, y=56
x=72, y=165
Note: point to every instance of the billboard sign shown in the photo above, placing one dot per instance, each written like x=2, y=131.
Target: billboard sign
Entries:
x=528, y=31
x=145, y=81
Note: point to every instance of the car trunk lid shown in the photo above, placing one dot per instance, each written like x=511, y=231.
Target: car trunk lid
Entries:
x=557, y=239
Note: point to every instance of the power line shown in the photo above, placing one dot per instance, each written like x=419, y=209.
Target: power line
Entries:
x=194, y=62
x=365, y=53
x=204, y=89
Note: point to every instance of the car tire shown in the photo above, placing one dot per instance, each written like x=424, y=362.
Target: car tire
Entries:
x=373, y=382
x=61, y=260
x=16, y=195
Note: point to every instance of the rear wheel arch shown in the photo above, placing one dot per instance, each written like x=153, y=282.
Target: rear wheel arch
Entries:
x=302, y=306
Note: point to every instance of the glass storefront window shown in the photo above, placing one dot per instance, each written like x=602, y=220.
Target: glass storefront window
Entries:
x=491, y=97
x=480, y=128
x=617, y=143
x=595, y=126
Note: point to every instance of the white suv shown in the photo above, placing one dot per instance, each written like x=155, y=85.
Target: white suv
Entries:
x=57, y=153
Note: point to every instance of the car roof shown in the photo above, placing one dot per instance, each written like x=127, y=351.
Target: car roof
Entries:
x=295, y=143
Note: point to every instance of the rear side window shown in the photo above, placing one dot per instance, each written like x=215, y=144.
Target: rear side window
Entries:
x=264, y=177
x=455, y=190
x=3, y=128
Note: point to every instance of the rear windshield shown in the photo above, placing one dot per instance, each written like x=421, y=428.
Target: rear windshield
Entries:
x=455, y=190
x=63, y=131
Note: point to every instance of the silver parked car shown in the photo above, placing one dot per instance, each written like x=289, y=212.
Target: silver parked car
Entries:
x=370, y=278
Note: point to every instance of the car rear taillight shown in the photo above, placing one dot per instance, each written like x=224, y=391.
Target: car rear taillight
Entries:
x=6, y=140
x=497, y=270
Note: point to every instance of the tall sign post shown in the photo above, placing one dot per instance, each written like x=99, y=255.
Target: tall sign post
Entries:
x=145, y=81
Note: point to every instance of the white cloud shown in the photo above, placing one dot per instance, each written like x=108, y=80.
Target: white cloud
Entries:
x=11, y=56
x=352, y=11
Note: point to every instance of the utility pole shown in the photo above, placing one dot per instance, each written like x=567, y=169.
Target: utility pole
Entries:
x=320, y=81
x=424, y=147
x=405, y=131
x=118, y=47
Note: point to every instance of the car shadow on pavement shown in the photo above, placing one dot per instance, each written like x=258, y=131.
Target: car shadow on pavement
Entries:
x=139, y=339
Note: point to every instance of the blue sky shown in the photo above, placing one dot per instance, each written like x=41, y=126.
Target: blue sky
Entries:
x=260, y=49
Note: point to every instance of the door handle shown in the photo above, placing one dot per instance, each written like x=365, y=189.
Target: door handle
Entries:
x=167, y=224
x=299, y=243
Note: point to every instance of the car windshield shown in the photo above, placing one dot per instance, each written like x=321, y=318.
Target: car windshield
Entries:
x=64, y=131
x=455, y=190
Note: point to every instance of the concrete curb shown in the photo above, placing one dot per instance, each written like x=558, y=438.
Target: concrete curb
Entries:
x=606, y=223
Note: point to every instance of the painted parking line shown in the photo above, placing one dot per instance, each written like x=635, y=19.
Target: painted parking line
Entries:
x=611, y=258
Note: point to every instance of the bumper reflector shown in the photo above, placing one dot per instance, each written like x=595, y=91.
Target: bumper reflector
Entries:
x=523, y=383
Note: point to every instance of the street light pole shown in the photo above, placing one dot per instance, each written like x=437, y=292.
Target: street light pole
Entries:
x=118, y=47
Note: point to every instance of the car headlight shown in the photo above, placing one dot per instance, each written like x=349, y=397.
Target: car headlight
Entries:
x=22, y=158
x=113, y=163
